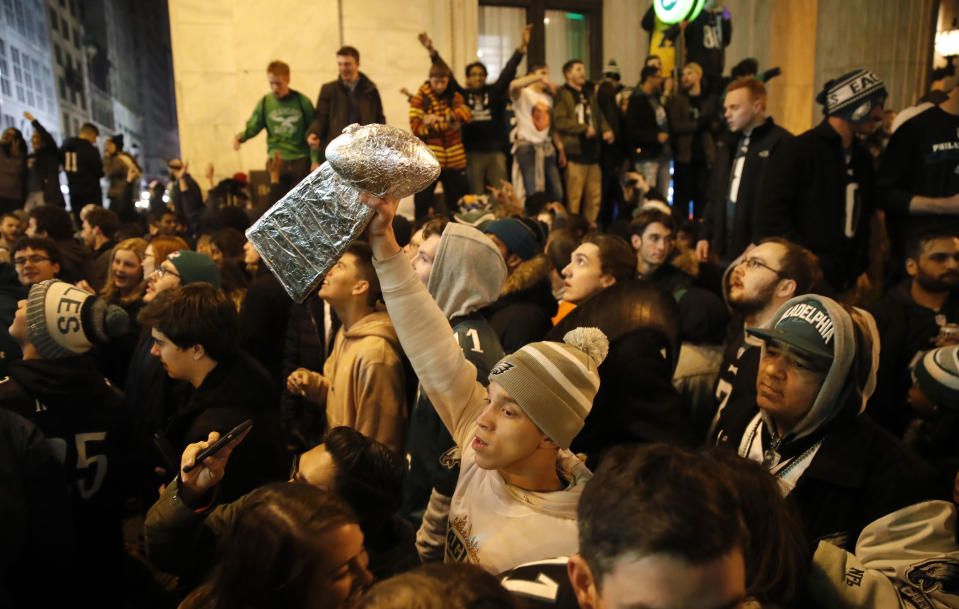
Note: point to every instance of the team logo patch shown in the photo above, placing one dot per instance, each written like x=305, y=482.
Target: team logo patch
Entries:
x=931, y=575
x=500, y=368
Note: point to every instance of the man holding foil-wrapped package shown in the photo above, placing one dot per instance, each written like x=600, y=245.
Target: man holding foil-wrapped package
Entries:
x=285, y=114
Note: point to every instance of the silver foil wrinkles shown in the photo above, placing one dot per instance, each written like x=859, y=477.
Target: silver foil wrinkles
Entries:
x=303, y=235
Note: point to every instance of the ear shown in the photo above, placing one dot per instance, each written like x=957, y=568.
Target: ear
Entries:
x=362, y=286
x=912, y=267
x=513, y=261
x=56, y=268
x=636, y=241
x=786, y=288
x=607, y=280
x=584, y=585
x=545, y=442
x=198, y=351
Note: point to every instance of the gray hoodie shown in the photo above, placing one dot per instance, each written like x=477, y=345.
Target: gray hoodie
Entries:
x=468, y=271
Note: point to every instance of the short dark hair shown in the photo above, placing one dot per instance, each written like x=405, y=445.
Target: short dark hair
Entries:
x=270, y=556
x=440, y=70
x=155, y=217
x=534, y=66
x=776, y=552
x=616, y=258
x=195, y=314
x=649, y=57
x=798, y=264
x=535, y=203
x=351, y=51
x=919, y=240
x=90, y=128
x=54, y=221
x=574, y=222
x=368, y=475
x=559, y=247
x=10, y=214
x=657, y=498
x=434, y=226
x=363, y=253
x=569, y=65
x=646, y=72
x=104, y=219
x=229, y=241
x=476, y=64
x=38, y=243
x=650, y=216
x=746, y=67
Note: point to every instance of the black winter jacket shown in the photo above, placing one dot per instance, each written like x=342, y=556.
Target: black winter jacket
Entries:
x=332, y=109
x=84, y=168
x=232, y=392
x=809, y=198
x=636, y=401
x=763, y=143
x=44, y=167
x=860, y=474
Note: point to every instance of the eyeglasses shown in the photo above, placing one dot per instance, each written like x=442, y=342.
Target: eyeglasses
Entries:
x=160, y=271
x=755, y=263
x=35, y=259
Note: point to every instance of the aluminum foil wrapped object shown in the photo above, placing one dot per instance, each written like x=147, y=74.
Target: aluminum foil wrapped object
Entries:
x=303, y=235
x=383, y=160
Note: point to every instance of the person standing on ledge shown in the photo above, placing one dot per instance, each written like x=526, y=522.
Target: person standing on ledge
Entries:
x=285, y=113
x=351, y=98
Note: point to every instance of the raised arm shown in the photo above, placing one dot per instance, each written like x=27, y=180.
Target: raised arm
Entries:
x=447, y=378
x=521, y=83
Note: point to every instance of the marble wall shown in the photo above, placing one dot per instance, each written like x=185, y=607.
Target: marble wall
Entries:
x=221, y=49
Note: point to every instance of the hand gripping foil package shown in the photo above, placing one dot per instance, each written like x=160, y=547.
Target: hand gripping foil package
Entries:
x=303, y=235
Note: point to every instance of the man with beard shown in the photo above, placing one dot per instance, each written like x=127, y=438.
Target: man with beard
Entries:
x=755, y=286
x=909, y=319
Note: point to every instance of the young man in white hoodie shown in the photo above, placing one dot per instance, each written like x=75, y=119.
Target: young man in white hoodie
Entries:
x=518, y=487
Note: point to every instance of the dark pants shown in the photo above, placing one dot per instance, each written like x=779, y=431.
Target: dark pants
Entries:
x=455, y=186
x=292, y=172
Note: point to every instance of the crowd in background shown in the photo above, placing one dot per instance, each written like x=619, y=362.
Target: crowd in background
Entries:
x=636, y=346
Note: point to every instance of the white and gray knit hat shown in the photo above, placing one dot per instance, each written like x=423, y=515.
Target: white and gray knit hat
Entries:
x=555, y=383
x=63, y=320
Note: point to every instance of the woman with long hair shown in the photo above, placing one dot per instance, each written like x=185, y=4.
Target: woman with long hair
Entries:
x=124, y=287
x=293, y=546
x=126, y=282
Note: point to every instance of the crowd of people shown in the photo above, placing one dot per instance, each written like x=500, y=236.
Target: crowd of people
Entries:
x=635, y=348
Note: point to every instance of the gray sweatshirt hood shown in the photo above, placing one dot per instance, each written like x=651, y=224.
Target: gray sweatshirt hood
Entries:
x=468, y=271
x=839, y=328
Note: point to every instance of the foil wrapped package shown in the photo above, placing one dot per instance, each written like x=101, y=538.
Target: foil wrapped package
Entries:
x=303, y=235
x=383, y=160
